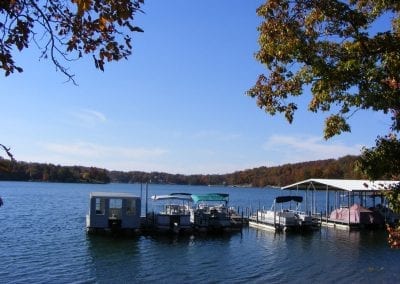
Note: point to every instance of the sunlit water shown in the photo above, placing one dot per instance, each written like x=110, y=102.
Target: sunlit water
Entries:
x=43, y=240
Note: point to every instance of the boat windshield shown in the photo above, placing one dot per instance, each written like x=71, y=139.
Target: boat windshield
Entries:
x=282, y=199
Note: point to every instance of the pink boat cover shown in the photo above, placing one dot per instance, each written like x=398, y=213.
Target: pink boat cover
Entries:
x=358, y=215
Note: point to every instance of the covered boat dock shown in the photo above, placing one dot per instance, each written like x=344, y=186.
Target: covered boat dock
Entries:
x=341, y=206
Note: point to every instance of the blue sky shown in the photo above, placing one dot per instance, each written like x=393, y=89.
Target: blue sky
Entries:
x=178, y=105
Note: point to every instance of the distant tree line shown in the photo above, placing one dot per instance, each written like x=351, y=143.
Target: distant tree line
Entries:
x=22, y=171
x=258, y=177
x=342, y=168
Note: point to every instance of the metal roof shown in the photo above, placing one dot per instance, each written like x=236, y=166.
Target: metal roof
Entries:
x=112, y=195
x=172, y=197
x=343, y=184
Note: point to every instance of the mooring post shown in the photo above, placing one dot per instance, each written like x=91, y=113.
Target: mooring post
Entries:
x=348, y=205
x=327, y=205
x=147, y=192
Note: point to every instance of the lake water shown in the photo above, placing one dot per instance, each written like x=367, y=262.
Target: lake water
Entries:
x=43, y=240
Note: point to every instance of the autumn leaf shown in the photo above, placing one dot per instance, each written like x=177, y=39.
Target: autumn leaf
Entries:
x=103, y=23
x=69, y=30
x=134, y=29
x=83, y=5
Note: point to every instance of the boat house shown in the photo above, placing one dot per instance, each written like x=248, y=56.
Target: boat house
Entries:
x=111, y=211
x=348, y=203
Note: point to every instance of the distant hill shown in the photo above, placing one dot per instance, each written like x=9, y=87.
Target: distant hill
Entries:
x=342, y=168
x=22, y=171
x=258, y=177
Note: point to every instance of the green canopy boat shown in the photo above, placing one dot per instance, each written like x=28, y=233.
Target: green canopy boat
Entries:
x=218, y=197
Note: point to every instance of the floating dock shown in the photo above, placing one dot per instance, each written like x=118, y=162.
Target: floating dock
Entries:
x=120, y=213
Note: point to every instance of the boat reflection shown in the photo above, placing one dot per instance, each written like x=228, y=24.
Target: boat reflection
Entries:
x=113, y=259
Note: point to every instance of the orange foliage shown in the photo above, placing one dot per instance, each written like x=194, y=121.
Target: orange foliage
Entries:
x=394, y=236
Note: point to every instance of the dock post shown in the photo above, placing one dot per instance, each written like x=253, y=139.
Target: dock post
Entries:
x=147, y=191
x=327, y=205
x=348, y=205
x=320, y=219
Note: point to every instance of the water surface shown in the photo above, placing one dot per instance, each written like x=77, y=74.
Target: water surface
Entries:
x=43, y=240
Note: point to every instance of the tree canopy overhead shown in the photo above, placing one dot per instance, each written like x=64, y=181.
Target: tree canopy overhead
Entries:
x=335, y=48
x=348, y=59
x=65, y=30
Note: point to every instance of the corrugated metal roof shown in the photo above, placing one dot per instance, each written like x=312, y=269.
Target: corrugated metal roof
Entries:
x=343, y=184
x=172, y=197
x=113, y=195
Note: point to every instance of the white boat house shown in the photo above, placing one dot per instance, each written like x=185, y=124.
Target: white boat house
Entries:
x=348, y=203
x=111, y=211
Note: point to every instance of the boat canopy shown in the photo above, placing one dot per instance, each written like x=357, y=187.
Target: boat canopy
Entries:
x=210, y=197
x=193, y=197
x=343, y=184
x=180, y=193
x=172, y=197
x=282, y=199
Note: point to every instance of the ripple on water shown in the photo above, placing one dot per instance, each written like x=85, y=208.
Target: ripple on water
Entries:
x=43, y=240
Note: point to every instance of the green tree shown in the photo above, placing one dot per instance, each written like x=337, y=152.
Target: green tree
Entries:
x=334, y=49
x=383, y=159
x=65, y=30
x=331, y=47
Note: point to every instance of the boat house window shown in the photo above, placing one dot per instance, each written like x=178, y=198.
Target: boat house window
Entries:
x=100, y=206
x=115, y=203
x=130, y=207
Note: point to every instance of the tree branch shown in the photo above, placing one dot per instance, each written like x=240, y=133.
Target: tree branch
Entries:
x=46, y=24
x=7, y=150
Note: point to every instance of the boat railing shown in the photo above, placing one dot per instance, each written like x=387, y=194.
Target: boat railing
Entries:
x=296, y=211
x=176, y=210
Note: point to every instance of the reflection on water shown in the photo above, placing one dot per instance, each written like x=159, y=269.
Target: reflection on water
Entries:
x=113, y=259
x=328, y=255
x=184, y=258
x=43, y=240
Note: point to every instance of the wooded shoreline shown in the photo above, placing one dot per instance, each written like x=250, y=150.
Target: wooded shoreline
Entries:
x=343, y=167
